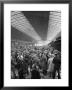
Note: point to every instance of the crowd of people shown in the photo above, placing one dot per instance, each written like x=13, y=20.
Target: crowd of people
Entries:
x=33, y=62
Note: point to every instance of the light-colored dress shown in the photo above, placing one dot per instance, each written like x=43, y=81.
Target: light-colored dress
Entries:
x=51, y=65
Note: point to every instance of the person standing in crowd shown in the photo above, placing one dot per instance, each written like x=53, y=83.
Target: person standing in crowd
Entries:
x=44, y=64
x=35, y=73
x=16, y=56
x=19, y=67
x=57, y=65
x=47, y=57
x=26, y=63
x=50, y=65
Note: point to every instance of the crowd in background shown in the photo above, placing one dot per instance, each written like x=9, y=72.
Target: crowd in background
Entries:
x=33, y=62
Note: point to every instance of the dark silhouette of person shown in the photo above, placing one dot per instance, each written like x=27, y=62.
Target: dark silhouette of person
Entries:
x=57, y=64
x=35, y=74
x=21, y=74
